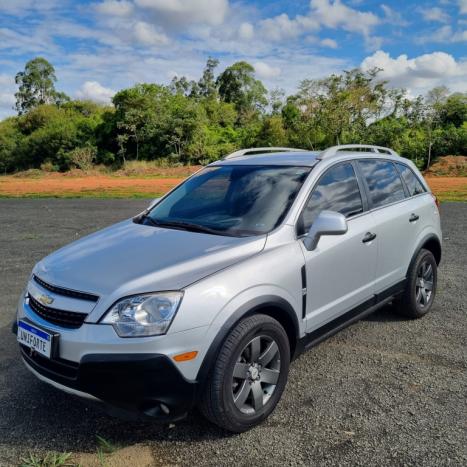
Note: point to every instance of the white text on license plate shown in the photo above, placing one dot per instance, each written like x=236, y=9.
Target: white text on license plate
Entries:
x=35, y=338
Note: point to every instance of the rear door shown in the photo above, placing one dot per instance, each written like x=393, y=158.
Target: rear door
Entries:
x=340, y=272
x=395, y=220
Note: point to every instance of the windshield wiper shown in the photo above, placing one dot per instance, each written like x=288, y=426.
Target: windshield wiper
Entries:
x=182, y=225
x=188, y=226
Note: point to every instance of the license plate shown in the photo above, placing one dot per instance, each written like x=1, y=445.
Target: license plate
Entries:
x=35, y=338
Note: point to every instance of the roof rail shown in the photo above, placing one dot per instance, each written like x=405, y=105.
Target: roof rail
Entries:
x=265, y=150
x=332, y=151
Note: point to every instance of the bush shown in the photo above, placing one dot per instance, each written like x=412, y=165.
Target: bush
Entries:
x=83, y=158
x=49, y=167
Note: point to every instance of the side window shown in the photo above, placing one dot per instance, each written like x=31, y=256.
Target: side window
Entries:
x=383, y=181
x=337, y=190
x=411, y=181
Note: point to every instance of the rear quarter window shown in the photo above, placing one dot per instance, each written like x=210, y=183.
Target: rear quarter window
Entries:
x=383, y=181
x=413, y=184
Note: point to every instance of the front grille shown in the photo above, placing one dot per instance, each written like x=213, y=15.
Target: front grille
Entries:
x=65, y=292
x=57, y=366
x=66, y=319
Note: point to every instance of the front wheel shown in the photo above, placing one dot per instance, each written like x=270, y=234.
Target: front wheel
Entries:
x=249, y=375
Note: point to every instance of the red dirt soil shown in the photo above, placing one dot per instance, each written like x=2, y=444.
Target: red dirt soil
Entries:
x=13, y=186
x=441, y=184
x=95, y=185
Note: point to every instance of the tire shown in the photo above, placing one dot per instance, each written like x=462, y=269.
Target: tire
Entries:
x=255, y=354
x=416, y=300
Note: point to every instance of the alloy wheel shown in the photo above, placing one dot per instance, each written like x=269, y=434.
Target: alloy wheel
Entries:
x=256, y=374
x=424, y=284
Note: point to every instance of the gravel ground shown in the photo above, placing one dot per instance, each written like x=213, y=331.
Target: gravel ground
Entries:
x=383, y=391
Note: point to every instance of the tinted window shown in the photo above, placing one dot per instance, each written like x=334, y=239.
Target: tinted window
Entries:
x=232, y=200
x=383, y=181
x=337, y=190
x=412, y=182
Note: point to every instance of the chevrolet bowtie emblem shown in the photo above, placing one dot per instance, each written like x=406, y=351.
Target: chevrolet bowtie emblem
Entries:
x=45, y=299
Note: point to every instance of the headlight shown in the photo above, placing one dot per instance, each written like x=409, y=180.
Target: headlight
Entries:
x=144, y=315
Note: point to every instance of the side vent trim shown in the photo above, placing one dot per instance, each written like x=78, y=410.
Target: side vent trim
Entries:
x=304, y=291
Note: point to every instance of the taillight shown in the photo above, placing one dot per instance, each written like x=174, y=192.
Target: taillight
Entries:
x=436, y=200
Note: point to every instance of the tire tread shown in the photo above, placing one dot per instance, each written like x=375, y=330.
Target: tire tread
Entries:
x=211, y=405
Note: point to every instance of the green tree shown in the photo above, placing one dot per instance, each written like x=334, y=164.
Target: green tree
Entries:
x=341, y=106
x=207, y=84
x=238, y=85
x=37, y=86
x=10, y=139
x=453, y=111
x=272, y=132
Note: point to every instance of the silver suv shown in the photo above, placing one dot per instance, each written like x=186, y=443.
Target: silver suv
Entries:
x=206, y=297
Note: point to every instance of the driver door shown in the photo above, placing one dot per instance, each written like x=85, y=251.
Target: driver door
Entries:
x=340, y=272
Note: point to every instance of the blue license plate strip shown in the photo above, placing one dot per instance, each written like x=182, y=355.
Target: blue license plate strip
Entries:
x=34, y=330
x=37, y=339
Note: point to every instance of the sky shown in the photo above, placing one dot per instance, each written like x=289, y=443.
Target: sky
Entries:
x=99, y=47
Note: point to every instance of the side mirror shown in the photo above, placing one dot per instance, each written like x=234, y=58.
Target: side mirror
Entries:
x=153, y=203
x=327, y=223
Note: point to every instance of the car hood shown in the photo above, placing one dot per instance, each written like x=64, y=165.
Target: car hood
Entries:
x=133, y=258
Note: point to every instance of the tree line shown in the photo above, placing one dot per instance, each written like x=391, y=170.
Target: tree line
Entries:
x=196, y=122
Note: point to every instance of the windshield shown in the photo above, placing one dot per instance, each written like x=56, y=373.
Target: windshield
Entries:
x=231, y=200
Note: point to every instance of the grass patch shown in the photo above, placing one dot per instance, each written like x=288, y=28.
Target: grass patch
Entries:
x=452, y=196
x=51, y=459
x=104, y=450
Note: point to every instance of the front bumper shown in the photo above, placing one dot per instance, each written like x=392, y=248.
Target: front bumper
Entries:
x=129, y=385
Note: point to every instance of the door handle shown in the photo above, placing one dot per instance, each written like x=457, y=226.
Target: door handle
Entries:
x=368, y=237
x=413, y=217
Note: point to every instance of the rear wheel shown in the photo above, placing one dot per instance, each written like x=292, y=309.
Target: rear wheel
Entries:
x=420, y=289
x=249, y=375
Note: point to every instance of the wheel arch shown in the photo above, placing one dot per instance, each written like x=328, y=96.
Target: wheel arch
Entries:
x=430, y=242
x=274, y=306
x=434, y=245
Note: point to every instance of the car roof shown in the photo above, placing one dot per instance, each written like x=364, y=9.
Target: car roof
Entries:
x=299, y=158
x=305, y=158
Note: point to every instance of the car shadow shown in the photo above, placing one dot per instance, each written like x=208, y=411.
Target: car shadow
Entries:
x=385, y=314
x=35, y=415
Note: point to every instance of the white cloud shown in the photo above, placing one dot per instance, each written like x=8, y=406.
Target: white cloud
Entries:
x=435, y=14
x=463, y=7
x=393, y=17
x=331, y=43
x=335, y=14
x=7, y=99
x=246, y=31
x=323, y=13
x=115, y=8
x=281, y=27
x=15, y=6
x=421, y=73
x=445, y=34
x=265, y=71
x=147, y=34
x=94, y=91
x=6, y=80
x=7, y=95
x=210, y=12
x=24, y=7
x=33, y=42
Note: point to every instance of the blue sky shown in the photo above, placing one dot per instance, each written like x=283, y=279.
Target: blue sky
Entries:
x=101, y=46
